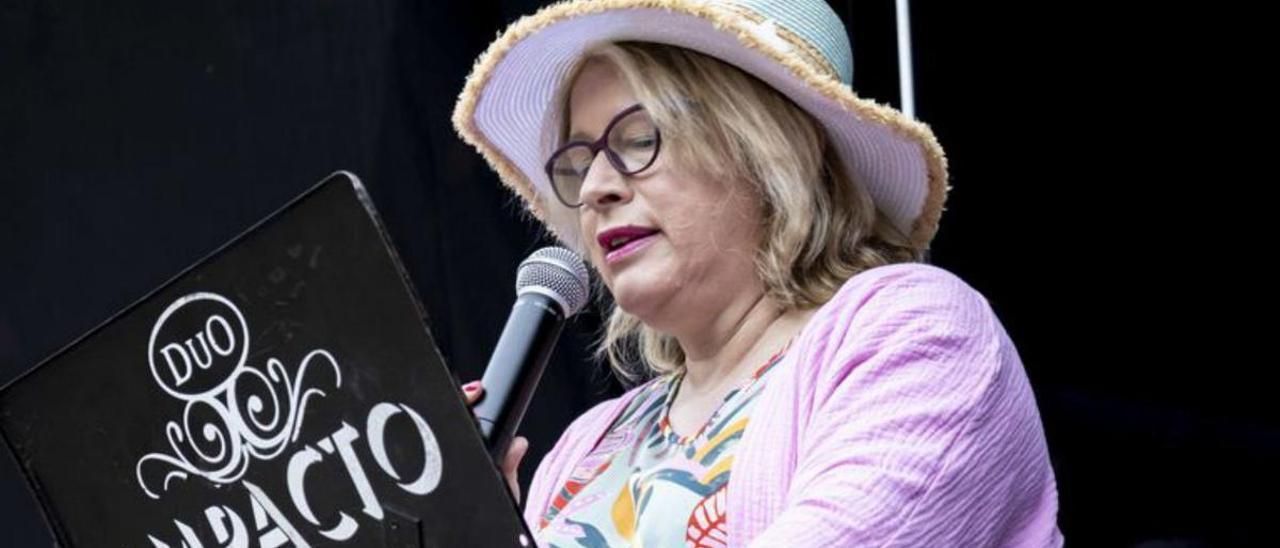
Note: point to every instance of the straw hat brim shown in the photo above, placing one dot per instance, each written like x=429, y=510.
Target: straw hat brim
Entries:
x=505, y=109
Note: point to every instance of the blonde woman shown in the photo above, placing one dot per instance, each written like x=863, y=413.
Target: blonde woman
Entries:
x=802, y=380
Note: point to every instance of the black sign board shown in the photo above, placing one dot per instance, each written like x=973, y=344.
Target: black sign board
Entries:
x=282, y=392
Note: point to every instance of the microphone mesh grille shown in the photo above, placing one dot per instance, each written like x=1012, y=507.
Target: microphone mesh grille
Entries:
x=558, y=271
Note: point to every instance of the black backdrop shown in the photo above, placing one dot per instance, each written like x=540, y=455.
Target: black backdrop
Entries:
x=137, y=136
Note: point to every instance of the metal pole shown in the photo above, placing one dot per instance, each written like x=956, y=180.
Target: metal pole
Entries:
x=905, y=82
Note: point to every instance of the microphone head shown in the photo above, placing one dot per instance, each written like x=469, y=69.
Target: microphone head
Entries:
x=557, y=273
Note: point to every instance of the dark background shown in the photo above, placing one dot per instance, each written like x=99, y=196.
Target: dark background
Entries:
x=137, y=136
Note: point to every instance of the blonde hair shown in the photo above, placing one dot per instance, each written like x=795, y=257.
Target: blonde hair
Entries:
x=819, y=228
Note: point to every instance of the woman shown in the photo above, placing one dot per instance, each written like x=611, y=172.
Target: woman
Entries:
x=803, y=381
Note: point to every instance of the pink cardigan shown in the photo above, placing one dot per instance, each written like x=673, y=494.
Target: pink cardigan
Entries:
x=901, y=416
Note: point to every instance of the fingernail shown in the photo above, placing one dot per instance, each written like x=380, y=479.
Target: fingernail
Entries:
x=471, y=386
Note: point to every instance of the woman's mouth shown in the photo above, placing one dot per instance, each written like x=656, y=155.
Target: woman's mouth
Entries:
x=622, y=242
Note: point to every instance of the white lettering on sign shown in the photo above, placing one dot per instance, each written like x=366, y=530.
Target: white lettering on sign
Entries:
x=213, y=352
x=255, y=413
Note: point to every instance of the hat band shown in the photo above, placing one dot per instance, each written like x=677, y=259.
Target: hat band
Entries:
x=797, y=44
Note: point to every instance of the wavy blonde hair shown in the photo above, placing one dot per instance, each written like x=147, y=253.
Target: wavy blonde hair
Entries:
x=819, y=227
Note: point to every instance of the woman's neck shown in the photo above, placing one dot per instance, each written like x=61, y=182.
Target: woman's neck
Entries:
x=736, y=342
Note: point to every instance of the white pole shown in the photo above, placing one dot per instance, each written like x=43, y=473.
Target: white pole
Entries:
x=905, y=82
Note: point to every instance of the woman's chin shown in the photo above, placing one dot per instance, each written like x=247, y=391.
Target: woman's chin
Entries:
x=644, y=283
x=631, y=300
x=636, y=295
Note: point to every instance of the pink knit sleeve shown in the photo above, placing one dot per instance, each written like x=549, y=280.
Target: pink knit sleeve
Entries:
x=918, y=426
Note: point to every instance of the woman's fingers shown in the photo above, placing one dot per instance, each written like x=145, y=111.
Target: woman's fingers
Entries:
x=472, y=391
x=511, y=464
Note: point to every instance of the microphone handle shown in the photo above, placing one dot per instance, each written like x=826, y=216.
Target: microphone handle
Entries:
x=514, y=369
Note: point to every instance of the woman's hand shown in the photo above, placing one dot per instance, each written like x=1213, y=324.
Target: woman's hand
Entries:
x=510, y=463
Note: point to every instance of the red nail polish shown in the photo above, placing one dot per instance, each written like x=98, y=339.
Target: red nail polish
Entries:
x=471, y=386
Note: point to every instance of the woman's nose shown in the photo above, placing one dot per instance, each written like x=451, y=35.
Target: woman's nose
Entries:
x=603, y=185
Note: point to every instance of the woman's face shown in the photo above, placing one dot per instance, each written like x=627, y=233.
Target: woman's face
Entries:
x=671, y=247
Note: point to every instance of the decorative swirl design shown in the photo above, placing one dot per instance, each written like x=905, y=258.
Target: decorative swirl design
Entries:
x=254, y=415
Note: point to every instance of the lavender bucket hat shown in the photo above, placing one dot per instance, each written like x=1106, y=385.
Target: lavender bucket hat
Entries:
x=800, y=47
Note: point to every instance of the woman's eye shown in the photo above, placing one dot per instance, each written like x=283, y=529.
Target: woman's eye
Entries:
x=642, y=142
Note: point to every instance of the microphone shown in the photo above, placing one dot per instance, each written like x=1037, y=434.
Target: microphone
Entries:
x=551, y=285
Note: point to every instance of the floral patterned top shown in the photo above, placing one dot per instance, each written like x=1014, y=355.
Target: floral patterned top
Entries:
x=645, y=485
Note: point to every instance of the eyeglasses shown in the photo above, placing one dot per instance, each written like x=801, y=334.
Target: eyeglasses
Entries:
x=630, y=142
